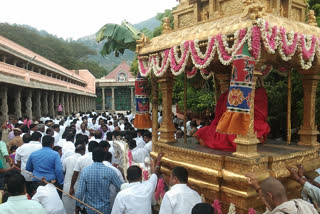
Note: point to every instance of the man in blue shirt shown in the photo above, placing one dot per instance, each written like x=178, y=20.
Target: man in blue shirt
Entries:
x=46, y=162
x=94, y=184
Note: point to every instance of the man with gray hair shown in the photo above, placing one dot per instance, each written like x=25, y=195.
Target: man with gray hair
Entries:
x=41, y=129
x=273, y=195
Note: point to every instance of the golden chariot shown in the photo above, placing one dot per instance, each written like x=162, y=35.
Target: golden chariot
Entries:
x=279, y=35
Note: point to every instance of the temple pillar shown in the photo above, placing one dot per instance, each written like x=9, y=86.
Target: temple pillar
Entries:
x=37, y=104
x=44, y=102
x=63, y=103
x=167, y=129
x=82, y=103
x=88, y=104
x=113, y=107
x=76, y=107
x=71, y=104
x=247, y=145
x=67, y=103
x=103, y=99
x=17, y=103
x=51, y=103
x=4, y=104
x=29, y=103
x=78, y=102
x=57, y=102
x=155, y=105
x=308, y=131
x=93, y=103
x=74, y=103
x=132, y=99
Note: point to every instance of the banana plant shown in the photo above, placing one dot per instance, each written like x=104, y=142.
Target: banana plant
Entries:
x=118, y=38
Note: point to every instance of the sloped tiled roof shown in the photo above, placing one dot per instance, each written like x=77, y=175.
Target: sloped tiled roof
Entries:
x=123, y=67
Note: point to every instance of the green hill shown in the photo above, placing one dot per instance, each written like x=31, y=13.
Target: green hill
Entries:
x=83, y=53
x=69, y=54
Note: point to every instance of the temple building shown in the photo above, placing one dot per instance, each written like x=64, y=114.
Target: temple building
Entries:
x=115, y=92
x=32, y=85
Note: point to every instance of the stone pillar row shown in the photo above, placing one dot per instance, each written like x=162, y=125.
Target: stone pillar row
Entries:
x=35, y=102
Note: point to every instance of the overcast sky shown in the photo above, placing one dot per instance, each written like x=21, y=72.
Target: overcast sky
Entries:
x=77, y=18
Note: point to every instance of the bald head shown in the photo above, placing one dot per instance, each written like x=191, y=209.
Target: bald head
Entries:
x=275, y=190
x=274, y=186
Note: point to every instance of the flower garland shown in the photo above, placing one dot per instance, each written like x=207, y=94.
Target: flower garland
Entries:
x=252, y=211
x=202, y=60
x=160, y=70
x=224, y=57
x=307, y=51
x=192, y=73
x=232, y=209
x=274, y=39
x=145, y=69
x=255, y=43
x=205, y=74
x=287, y=49
x=216, y=205
x=270, y=41
x=178, y=65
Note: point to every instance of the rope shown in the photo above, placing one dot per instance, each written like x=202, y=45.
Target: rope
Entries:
x=46, y=182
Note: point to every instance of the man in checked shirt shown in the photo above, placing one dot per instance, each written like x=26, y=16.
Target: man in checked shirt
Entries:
x=94, y=184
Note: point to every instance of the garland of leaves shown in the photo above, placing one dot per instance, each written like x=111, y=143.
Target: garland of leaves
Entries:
x=273, y=39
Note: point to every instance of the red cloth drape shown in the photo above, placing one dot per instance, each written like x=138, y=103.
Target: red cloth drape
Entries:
x=208, y=136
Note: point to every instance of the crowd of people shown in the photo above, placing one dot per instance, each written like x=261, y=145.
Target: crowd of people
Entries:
x=67, y=165
x=75, y=154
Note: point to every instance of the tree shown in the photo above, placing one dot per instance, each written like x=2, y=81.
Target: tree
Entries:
x=68, y=53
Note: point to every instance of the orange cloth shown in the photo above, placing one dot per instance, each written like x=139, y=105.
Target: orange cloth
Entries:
x=142, y=121
x=207, y=136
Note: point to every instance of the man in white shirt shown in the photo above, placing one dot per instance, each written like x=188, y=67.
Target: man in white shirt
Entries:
x=139, y=139
x=180, y=198
x=137, y=197
x=113, y=189
x=56, y=129
x=110, y=126
x=68, y=146
x=18, y=201
x=82, y=162
x=94, y=125
x=138, y=154
x=41, y=129
x=97, y=136
x=68, y=167
x=62, y=128
x=23, y=153
x=147, y=137
x=83, y=130
x=49, y=198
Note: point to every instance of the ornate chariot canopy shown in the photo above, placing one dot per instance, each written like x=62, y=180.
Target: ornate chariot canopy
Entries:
x=211, y=31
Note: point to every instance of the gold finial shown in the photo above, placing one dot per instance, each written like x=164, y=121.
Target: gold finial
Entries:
x=141, y=42
x=253, y=8
x=166, y=25
x=312, y=18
